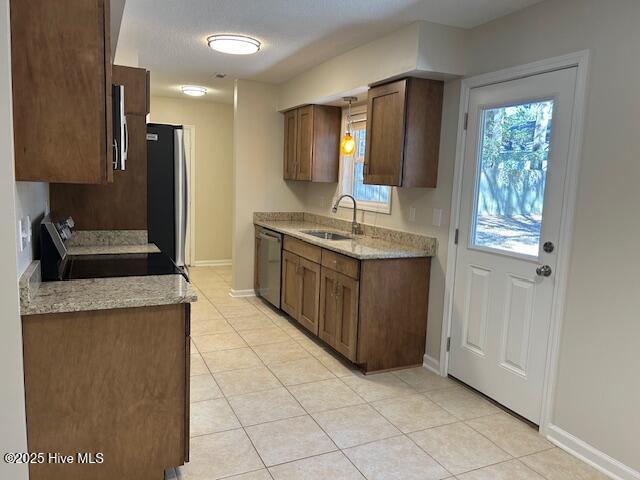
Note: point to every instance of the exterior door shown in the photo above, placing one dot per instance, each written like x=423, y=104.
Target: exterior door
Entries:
x=309, y=295
x=384, y=150
x=510, y=217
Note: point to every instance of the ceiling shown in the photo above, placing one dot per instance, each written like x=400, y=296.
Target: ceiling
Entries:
x=168, y=37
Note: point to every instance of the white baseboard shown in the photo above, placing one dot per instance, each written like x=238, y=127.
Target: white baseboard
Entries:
x=211, y=263
x=431, y=363
x=590, y=455
x=242, y=293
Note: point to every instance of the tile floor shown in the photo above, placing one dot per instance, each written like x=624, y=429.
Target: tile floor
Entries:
x=268, y=402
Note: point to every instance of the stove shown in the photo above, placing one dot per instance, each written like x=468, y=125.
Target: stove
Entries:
x=57, y=264
x=121, y=265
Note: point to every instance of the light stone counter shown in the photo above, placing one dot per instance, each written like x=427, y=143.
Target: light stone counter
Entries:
x=376, y=243
x=111, y=249
x=101, y=293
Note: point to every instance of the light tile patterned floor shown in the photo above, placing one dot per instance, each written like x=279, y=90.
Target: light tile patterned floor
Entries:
x=269, y=402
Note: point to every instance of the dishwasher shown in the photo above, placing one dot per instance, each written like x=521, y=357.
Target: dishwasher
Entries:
x=268, y=265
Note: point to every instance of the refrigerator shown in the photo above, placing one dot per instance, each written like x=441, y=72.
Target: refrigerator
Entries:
x=167, y=190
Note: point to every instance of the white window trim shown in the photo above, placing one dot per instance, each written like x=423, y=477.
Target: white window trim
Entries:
x=358, y=114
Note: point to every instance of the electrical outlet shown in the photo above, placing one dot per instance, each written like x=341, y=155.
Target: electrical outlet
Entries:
x=437, y=217
x=24, y=227
x=412, y=213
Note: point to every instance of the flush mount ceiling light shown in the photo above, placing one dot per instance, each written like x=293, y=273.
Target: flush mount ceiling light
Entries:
x=233, y=44
x=194, y=90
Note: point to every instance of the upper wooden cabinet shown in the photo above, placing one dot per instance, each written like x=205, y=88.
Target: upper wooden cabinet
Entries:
x=136, y=88
x=61, y=69
x=122, y=204
x=403, y=133
x=312, y=143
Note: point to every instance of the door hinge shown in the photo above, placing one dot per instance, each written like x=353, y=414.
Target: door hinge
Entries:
x=455, y=238
x=448, y=344
x=466, y=120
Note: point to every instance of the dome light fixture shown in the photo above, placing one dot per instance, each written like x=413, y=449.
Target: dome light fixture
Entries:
x=234, y=44
x=194, y=90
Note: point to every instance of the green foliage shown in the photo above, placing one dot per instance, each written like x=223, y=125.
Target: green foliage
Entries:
x=515, y=143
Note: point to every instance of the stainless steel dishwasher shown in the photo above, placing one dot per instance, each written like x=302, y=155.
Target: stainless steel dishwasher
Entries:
x=268, y=265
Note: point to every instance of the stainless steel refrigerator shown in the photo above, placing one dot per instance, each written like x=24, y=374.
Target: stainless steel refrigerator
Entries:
x=167, y=184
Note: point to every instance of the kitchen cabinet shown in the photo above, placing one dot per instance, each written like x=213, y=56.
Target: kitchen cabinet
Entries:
x=403, y=133
x=122, y=204
x=373, y=311
x=311, y=143
x=109, y=381
x=339, y=312
x=61, y=81
x=136, y=89
x=300, y=295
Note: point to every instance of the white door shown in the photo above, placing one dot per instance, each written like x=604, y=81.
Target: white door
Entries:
x=510, y=216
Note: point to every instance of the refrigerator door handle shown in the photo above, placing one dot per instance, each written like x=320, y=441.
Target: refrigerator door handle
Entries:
x=186, y=198
x=180, y=196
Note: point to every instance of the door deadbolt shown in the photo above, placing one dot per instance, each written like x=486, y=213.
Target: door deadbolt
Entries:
x=548, y=247
x=543, y=270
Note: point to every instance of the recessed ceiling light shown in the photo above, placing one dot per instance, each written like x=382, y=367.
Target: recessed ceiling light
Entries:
x=194, y=90
x=233, y=44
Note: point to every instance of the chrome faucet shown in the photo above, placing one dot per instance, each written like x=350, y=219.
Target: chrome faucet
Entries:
x=356, y=228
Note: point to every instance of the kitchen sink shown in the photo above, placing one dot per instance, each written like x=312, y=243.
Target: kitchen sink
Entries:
x=326, y=235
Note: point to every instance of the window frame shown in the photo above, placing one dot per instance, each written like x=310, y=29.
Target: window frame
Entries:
x=358, y=115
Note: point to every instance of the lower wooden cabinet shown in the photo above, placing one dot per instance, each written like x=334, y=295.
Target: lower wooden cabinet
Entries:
x=301, y=290
x=373, y=312
x=109, y=381
x=339, y=312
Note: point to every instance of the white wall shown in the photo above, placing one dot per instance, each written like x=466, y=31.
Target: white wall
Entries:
x=213, y=177
x=258, y=184
x=31, y=198
x=424, y=200
x=12, y=413
x=598, y=391
x=436, y=50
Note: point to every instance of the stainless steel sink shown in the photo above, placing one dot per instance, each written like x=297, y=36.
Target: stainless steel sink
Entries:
x=326, y=235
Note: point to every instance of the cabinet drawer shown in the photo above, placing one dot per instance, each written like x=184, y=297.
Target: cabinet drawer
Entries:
x=303, y=249
x=340, y=263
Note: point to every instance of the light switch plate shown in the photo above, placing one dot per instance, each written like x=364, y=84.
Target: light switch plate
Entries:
x=437, y=217
x=24, y=227
x=412, y=213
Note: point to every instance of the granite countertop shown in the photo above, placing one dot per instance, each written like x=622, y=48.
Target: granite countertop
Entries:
x=111, y=249
x=38, y=297
x=362, y=247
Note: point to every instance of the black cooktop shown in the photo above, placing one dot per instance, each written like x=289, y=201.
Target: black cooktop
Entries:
x=120, y=265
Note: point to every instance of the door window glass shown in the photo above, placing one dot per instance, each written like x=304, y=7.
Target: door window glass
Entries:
x=511, y=174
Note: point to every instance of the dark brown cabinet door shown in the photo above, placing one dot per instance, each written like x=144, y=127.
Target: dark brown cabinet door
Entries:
x=305, y=143
x=338, y=323
x=385, y=134
x=309, y=295
x=290, y=144
x=61, y=69
x=328, y=321
x=136, y=88
x=290, y=295
x=122, y=205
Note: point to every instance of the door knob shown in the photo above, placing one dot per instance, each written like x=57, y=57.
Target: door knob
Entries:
x=543, y=270
x=548, y=247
